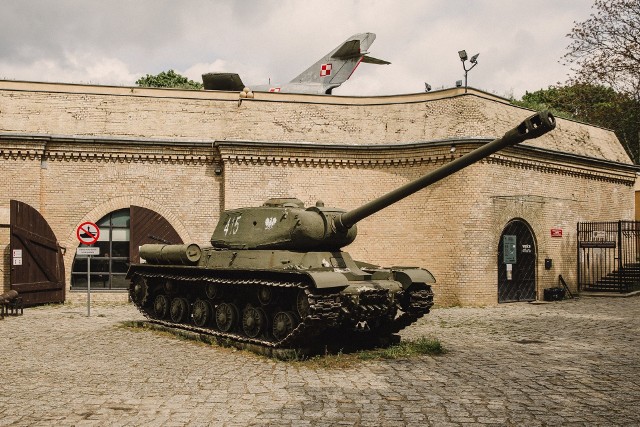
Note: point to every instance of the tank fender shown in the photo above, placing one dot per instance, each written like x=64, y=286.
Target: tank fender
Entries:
x=409, y=275
x=328, y=279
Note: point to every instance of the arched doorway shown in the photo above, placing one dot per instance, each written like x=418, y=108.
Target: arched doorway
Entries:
x=517, y=254
x=122, y=232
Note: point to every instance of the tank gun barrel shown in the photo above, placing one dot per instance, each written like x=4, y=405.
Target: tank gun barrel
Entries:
x=532, y=127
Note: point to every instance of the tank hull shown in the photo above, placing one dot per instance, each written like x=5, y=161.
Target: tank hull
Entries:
x=286, y=302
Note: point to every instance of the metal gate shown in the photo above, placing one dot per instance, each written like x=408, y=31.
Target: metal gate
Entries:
x=608, y=257
x=517, y=263
x=37, y=265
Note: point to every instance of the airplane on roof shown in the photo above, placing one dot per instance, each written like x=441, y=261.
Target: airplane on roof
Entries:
x=322, y=77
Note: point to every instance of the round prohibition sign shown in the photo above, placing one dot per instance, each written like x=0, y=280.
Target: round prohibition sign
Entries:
x=88, y=233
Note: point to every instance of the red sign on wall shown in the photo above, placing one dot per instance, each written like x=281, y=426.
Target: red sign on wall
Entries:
x=556, y=232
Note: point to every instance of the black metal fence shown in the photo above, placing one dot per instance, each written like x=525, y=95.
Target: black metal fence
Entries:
x=608, y=256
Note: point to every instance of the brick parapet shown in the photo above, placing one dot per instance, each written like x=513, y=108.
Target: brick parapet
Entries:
x=160, y=113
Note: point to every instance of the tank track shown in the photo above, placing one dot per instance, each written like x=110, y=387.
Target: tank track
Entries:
x=323, y=311
x=420, y=303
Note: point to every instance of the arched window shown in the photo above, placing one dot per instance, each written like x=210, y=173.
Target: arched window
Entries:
x=108, y=270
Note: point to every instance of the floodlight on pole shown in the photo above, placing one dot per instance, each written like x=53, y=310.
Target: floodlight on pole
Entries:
x=474, y=60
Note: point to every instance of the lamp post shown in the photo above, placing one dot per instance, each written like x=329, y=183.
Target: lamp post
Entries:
x=473, y=60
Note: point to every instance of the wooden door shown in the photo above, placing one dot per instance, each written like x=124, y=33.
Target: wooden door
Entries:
x=37, y=264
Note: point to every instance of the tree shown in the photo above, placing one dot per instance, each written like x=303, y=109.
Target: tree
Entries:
x=606, y=47
x=596, y=104
x=168, y=79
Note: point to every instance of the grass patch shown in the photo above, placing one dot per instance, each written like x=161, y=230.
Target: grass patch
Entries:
x=328, y=361
x=403, y=350
x=421, y=346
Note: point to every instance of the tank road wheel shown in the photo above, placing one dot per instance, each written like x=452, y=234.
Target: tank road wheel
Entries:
x=139, y=292
x=265, y=295
x=283, y=324
x=226, y=316
x=161, y=306
x=254, y=321
x=212, y=291
x=179, y=309
x=202, y=312
x=302, y=303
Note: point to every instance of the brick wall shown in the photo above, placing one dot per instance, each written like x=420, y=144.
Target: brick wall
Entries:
x=155, y=148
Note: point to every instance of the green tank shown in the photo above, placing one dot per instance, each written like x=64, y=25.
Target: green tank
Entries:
x=276, y=276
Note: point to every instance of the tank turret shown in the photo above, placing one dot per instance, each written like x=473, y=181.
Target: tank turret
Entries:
x=287, y=224
x=275, y=275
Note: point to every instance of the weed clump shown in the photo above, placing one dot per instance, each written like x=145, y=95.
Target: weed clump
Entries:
x=410, y=348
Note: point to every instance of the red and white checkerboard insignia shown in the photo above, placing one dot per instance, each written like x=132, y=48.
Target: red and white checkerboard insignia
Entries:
x=274, y=89
x=325, y=70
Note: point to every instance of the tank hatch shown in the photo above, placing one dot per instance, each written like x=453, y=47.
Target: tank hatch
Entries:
x=285, y=202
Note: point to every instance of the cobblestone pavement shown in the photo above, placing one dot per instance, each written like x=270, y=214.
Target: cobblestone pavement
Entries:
x=565, y=363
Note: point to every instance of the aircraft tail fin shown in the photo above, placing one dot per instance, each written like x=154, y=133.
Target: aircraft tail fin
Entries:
x=337, y=66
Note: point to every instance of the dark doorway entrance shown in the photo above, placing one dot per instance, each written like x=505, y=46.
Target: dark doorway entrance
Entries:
x=517, y=263
x=37, y=266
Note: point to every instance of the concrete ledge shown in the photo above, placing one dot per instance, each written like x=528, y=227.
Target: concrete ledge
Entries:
x=609, y=294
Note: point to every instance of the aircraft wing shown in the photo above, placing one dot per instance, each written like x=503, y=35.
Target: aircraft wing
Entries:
x=222, y=81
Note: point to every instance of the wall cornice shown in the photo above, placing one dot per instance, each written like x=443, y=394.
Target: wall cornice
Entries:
x=436, y=152
x=622, y=177
x=83, y=149
x=72, y=149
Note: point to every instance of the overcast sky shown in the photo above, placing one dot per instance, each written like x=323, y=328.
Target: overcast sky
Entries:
x=115, y=42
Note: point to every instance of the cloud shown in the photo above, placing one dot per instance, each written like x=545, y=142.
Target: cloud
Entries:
x=118, y=41
x=72, y=68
